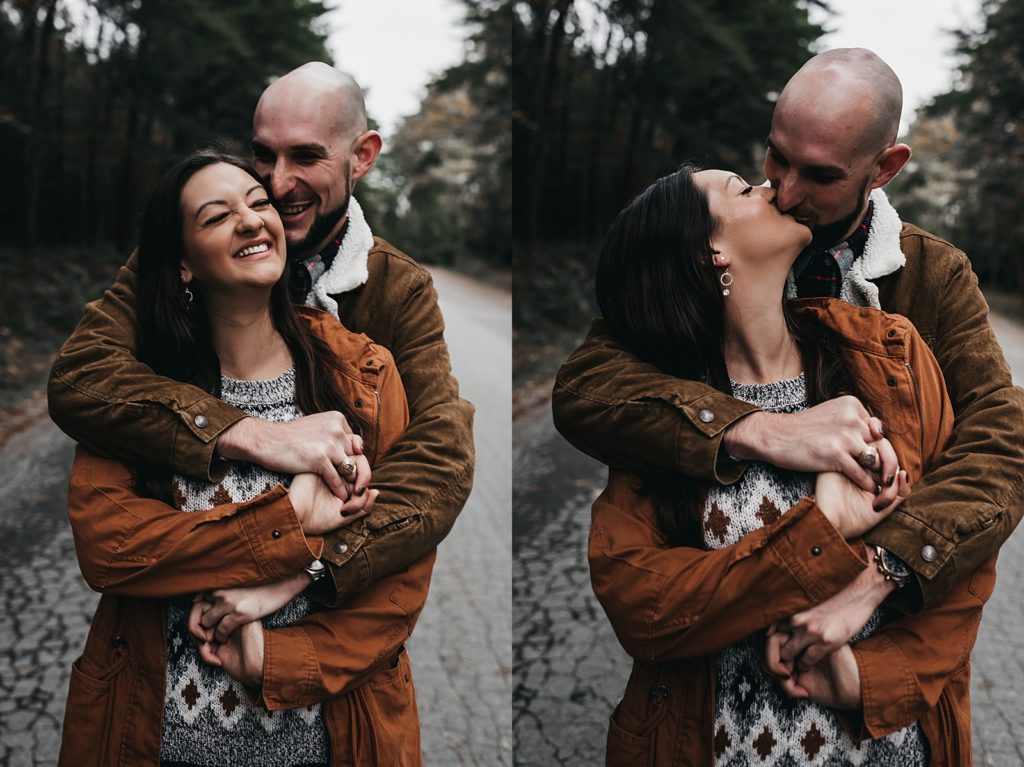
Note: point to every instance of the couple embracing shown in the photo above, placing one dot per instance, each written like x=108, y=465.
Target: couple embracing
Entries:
x=814, y=450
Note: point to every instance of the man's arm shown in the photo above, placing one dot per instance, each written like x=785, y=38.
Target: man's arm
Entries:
x=103, y=397
x=970, y=500
x=628, y=414
x=426, y=476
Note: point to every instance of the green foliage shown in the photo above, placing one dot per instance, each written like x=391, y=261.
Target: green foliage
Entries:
x=608, y=95
x=92, y=109
x=983, y=158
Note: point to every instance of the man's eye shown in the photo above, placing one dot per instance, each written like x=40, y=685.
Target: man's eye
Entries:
x=777, y=158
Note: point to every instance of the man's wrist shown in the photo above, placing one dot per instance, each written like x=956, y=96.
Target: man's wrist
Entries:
x=891, y=567
x=231, y=444
x=742, y=438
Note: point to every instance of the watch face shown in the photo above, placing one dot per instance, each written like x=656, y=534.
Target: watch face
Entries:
x=895, y=565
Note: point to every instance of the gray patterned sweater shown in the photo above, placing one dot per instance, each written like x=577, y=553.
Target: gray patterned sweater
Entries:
x=755, y=723
x=208, y=718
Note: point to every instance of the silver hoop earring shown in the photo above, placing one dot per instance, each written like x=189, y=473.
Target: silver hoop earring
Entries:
x=188, y=295
x=726, y=279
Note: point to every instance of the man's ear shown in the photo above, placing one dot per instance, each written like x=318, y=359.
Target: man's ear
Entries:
x=365, y=152
x=889, y=164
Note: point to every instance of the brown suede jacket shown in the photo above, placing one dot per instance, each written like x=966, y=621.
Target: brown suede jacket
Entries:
x=673, y=608
x=629, y=415
x=104, y=398
x=137, y=551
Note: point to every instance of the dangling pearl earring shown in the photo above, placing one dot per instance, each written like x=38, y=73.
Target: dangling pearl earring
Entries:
x=726, y=279
x=188, y=295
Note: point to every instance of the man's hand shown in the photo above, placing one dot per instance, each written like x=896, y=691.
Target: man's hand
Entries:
x=826, y=437
x=315, y=443
x=241, y=656
x=320, y=511
x=216, y=614
x=799, y=643
x=851, y=510
x=835, y=682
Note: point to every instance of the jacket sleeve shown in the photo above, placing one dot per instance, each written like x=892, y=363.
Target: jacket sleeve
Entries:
x=426, y=476
x=670, y=603
x=331, y=652
x=970, y=500
x=97, y=379
x=628, y=414
x=906, y=664
x=141, y=547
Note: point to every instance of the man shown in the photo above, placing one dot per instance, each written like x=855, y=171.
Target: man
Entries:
x=311, y=145
x=830, y=151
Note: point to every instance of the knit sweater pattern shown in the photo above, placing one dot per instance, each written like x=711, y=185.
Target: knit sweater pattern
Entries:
x=209, y=718
x=755, y=722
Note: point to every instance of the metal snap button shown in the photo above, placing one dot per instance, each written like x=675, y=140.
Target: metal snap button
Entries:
x=276, y=534
x=202, y=421
x=929, y=554
x=816, y=551
x=706, y=416
x=340, y=548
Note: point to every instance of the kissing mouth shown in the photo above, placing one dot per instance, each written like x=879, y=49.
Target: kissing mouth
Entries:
x=252, y=250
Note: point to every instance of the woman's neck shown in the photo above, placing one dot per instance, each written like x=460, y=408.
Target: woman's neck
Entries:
x=248, y=345
x=758, y=345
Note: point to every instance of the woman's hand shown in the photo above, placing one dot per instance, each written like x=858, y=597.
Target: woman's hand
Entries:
x=241, y=656
x=216, y=614
x=850, y=509
x=320, y=511
x=835, y=682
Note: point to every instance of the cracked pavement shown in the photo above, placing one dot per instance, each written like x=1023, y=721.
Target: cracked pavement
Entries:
x=569, y=669
x=461, y=650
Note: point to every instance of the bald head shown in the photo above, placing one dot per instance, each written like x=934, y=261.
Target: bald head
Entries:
x=854, y=90
x=318, y=87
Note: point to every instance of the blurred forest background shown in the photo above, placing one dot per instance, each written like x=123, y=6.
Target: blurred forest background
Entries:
x=611, y=94
x=99, y=97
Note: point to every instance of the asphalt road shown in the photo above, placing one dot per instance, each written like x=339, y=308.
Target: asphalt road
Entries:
x=461, y=650
x=569, y=669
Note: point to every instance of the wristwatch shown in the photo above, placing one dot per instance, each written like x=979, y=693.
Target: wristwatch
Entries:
x=892, y=567
x=316, y=570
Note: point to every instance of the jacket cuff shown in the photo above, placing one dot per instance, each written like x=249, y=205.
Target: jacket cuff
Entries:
x=709, y=416
x=200, y=424
x=290, y=669
x=275, y=536
x=924, y=551
x=886, y=684
x=816, y=554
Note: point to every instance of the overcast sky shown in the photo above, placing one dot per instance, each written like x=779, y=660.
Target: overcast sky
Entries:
x=912, y=36
x=394, y=48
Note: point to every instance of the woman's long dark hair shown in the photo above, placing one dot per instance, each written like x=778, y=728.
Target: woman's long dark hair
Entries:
x=174, y=335
x=660, y=296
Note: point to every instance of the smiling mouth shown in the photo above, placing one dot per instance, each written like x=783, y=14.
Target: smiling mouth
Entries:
x=294, y=210
x=253, y=250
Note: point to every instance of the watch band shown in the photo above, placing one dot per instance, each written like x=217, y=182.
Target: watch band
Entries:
x=892, y=567
x=316, y=570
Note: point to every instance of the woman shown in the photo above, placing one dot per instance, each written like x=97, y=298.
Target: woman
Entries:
x=692, y=278
x=155, y=684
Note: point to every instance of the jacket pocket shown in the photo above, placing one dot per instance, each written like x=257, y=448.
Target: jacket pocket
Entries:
x=393, y=719
x=631, y=742
x=88, y=719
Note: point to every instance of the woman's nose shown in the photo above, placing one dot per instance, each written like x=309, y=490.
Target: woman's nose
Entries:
x=249, y=219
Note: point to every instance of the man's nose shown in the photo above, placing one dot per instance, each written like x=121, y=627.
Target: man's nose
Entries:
x=787, y=193
x=281, y=180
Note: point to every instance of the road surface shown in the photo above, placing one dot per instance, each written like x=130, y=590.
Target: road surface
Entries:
x=569, y=669
x=461, y=650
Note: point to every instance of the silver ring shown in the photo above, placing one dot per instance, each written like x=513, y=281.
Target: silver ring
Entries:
x=868, y=457
x=347, y=468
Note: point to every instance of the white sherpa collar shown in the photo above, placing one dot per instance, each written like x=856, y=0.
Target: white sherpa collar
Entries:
x=348, y=270
x=881, y=256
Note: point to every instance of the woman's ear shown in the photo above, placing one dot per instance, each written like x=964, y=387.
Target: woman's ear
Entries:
x=719, y=259
x=186, y=273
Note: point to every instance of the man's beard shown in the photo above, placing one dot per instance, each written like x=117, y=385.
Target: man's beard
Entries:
x=830, y=234
x=321, y=228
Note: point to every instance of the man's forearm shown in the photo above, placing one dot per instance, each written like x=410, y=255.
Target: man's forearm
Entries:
x=628, y=414
x=102, y=396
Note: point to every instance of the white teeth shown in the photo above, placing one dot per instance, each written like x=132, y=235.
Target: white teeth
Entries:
x=291, y=210
x=252, y=250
